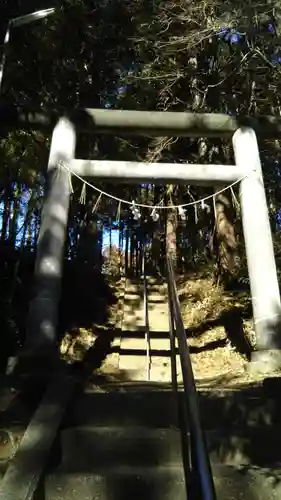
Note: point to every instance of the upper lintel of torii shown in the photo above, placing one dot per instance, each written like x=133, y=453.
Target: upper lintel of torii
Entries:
x=131, y=122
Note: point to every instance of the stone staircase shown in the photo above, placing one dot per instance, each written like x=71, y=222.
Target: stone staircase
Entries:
x=121, y=443
x=124, y=440
x=133, y=349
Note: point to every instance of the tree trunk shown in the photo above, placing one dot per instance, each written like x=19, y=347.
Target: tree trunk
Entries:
x=192, y=228
x=100, y=244
x=171, y=228
x=132, y=249
x=126, y=250
x=120, y=249
x=225, y=238
x=88, y=247
x=138, y=266
x=29, y=234
x=110, y=243
x=6, y=214
x=14, y=215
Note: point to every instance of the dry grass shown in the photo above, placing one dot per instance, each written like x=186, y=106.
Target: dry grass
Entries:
x=75, y=344
x=200, y=301
x=203, y=301
x=204, y=307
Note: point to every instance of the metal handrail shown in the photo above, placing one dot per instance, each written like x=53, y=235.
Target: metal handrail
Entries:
x=197, y=442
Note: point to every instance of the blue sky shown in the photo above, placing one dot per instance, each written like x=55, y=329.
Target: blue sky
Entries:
x=114, y=237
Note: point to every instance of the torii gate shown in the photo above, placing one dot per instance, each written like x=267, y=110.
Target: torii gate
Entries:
x=257, y=233
x=42, y=320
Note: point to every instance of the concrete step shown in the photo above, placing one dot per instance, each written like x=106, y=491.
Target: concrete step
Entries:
x=116, y=484
x=163, y=483
x=136, y=408
x=225, y=410
x=90, y=448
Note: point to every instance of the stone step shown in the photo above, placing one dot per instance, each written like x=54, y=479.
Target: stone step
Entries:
x=163, y=483
x=91, y=448
x=133, y=321
x=157, y=407
x=116, y=484
x=132, y=344
x=121, y=407
x=138, y=347
x=133, y=360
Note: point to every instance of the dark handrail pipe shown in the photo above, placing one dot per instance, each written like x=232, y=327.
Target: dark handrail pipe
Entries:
x=201, y=453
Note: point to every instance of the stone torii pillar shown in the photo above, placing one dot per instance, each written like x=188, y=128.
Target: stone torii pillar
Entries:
x=260, y=253
x=41, y=331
